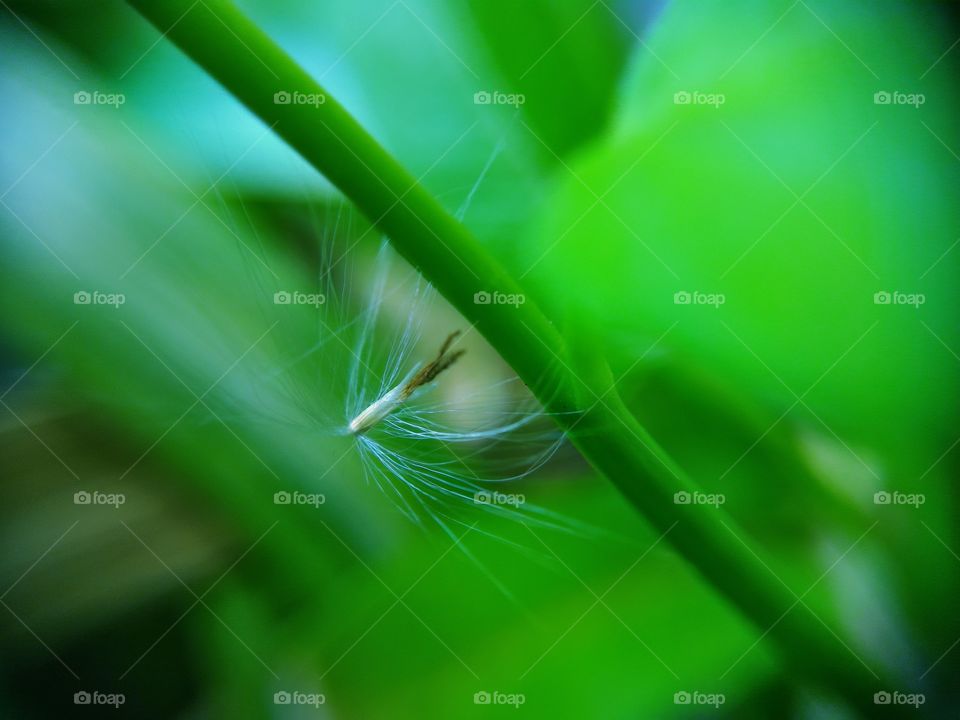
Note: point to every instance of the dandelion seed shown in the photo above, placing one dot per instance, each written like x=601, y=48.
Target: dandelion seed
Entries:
x=417, y=378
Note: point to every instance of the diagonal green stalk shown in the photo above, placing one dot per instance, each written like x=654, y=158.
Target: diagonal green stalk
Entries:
x=233, y=50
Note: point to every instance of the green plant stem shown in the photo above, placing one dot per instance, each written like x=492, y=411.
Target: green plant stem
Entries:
x=233, y=50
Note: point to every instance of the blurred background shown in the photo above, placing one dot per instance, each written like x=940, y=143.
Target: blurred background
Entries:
x=748, y=207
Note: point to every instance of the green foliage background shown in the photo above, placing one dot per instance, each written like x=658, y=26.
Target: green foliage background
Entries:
x=846, y=397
